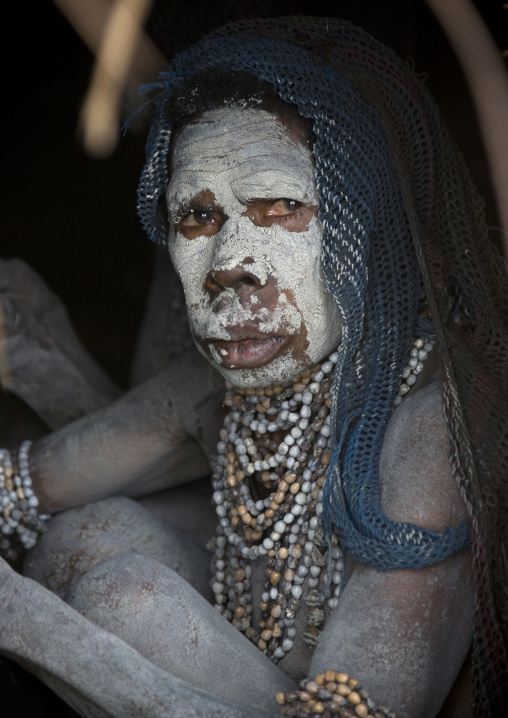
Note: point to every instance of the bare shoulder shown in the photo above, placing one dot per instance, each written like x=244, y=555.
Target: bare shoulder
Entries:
x=416, y=481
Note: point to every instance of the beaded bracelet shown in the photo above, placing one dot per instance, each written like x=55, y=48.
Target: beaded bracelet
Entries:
x=329, y=695
x=20, y=523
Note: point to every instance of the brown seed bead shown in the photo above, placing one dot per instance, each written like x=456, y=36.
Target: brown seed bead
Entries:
x=296, y=551
x=262, y=645
x=298, y=387
x=274, y=506
x=280, y=698
x=246, y=518
x=294, y=488
x=276, y=611
x=270, y=513
x=275, y=577
x=304, y=696
x=330, y=676
x=266, y=635
x=354, y=698
x=289, y=574
x=320, y=679
x=362, y=710
x=290, y=478
x=332, y=708
x=20, y=493
x=235, y=520
x=239, y=611
x=283, y=552
x=263, y=606
x=331, y=686
x=318, y=707
x=339, y=700
x=276, y=630
x=325, y=459
x=311, y=687
x=231, y=457
x=230, y=469
x=353, y=683
x=343, y=689
x=231, y=480
x=328, y=402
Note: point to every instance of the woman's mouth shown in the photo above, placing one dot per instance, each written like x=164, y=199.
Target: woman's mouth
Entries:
x=246, y=353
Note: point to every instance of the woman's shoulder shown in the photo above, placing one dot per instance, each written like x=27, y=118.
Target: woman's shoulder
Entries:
x=416, y=480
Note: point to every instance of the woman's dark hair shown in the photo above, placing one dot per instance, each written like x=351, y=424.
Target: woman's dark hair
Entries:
x=216, y=88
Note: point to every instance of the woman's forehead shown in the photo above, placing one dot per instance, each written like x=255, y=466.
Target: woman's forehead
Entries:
x=234, y=129
x=251, y=150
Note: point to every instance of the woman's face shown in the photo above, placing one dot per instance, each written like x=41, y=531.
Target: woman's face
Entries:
x=246, y=243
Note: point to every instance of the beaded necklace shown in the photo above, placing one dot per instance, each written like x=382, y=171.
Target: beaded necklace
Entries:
x=268, y=477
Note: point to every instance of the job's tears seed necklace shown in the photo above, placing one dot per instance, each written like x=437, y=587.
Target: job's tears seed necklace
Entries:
x=292, y=471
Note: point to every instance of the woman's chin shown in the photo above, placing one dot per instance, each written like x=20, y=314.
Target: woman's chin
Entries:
x=279, y=372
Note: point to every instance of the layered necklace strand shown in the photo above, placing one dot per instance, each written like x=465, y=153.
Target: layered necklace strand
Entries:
x=292, y=472
x=284, y=525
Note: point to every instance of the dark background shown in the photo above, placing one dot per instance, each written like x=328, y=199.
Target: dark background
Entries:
x=73, y=218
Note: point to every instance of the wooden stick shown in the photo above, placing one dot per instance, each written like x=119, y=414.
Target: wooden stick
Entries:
x=488, y=81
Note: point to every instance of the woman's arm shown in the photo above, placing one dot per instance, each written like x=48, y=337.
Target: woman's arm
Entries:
x=406, y=633
x=158, y=435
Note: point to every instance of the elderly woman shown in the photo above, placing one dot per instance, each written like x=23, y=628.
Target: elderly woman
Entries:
x=338, y=277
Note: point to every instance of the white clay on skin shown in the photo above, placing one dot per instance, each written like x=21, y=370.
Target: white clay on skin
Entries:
x=241, y=156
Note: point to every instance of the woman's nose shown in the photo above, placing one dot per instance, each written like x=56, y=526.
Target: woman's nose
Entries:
x=236, y=278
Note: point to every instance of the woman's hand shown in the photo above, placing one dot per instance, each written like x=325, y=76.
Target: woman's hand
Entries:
x=42, y=360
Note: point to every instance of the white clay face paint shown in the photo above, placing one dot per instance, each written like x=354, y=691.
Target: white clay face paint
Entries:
x=241, y=155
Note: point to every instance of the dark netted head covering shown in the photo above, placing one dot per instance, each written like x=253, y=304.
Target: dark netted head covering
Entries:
x=398, y=212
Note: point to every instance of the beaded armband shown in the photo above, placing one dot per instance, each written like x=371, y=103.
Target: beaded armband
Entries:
x=20, y=522
x=329, y=695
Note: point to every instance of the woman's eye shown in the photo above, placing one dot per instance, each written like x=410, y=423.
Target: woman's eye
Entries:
x=198, y=218
x=283, y=206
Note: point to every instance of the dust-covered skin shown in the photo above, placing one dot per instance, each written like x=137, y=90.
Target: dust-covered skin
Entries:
x=246, y=243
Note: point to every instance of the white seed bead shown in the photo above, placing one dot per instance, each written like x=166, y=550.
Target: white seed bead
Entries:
x=296, y=592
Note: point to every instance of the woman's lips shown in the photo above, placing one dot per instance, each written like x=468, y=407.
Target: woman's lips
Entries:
x=247, y=353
